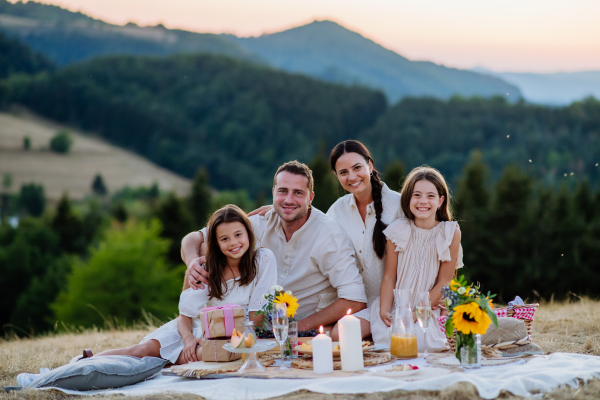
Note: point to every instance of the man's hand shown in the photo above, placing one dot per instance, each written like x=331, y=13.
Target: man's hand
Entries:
x=260, y=211
x=197, y=275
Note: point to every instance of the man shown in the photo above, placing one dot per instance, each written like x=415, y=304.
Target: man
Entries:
x=315, y=259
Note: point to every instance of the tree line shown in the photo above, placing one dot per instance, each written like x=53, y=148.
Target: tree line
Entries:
x=114, y=257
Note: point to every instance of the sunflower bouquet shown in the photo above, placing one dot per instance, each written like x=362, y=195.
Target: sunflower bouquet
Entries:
x=470, y=312
x=278, y=295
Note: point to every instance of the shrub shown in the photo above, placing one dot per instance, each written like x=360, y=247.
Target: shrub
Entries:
x=61, y=142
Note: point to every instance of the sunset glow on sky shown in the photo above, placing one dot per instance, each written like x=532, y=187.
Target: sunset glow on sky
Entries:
x=508, y=35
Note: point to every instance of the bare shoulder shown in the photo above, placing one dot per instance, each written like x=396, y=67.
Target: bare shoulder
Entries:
x=457, y=235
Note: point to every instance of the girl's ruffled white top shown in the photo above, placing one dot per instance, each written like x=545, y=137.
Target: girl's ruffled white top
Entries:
x=371, y=267
x=193, y=301
x=420, y=253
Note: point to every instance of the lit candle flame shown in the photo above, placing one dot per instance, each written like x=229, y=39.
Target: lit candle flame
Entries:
x=349, y=311
x=321, y=329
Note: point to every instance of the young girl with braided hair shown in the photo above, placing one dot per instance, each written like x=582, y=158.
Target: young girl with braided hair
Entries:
x=363, y=214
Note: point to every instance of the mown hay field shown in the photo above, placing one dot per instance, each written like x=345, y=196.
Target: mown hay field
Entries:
x=572, y=326
x=75, y=171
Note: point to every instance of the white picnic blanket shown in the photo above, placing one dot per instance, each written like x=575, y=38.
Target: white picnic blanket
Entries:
x=543, y=373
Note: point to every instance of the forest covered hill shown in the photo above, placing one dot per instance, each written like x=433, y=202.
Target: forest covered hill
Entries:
x=241, y=120
x=327, y=50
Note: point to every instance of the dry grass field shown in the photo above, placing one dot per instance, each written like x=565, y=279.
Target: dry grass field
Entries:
x=559, y=327
x=73, y=172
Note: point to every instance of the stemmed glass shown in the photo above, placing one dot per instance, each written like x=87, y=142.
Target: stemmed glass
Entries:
x=424, y=315
x=280, y=323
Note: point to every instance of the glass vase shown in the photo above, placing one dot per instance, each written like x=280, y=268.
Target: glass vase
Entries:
x=468, y=350
x=290, y=351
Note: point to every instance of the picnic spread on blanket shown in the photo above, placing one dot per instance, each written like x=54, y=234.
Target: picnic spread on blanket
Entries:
x=232, y=350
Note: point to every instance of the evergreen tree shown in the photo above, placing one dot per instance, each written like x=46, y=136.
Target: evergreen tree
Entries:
x=509, y=229
x=25, y=252
x=119, y=212
x=177, y=222
x=26, y=143
x=471, y=208
x=69, y=227
x=98, y=186
x=394, y=175
x=32, y=199
x=200, y=198
x=326, y=184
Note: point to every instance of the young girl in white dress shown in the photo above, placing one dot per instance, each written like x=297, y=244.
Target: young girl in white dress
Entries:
x=238, y=275
x=423, y=251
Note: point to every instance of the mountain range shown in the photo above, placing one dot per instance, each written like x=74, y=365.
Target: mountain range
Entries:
x=321, y=49
x=553, y=88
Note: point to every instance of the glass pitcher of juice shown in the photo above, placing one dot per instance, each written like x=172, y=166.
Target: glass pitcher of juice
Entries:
x=403, y=341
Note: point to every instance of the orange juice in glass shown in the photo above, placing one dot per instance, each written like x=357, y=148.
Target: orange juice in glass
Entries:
x=403, y=345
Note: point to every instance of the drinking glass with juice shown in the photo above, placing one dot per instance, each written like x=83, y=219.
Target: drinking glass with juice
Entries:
x=403, y=341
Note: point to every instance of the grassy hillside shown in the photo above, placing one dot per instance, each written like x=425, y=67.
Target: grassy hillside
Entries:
x=75, y=171
x=331, y=52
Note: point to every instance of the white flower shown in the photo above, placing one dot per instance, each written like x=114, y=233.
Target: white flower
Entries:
x=276, y=288
x=289, y=292
x=461, y=290
x=472, y=291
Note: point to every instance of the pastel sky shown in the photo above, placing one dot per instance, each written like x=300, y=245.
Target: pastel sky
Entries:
x=503, y=35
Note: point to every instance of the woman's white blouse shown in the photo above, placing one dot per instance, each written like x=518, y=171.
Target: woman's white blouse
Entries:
x=345, y=212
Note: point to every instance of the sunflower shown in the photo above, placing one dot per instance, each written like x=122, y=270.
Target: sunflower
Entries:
x=290, y=301
x=470, y=318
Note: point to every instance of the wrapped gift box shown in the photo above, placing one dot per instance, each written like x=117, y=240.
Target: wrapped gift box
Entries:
x=219, y=322
x=213, y=351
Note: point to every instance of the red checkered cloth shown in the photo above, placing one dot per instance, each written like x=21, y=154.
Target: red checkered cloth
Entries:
x=520, y=313
x=442, y=321
x=525, y=313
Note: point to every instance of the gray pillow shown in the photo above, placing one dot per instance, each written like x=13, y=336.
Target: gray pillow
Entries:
x=102, y=372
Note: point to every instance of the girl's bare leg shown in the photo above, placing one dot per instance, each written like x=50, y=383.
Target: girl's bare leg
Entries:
x=365, y=330
x=150, y=348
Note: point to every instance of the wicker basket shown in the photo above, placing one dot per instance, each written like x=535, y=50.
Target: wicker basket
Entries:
x=515, y=312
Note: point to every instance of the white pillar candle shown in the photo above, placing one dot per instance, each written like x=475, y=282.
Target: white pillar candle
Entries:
x=322, y=354
x=350, y=343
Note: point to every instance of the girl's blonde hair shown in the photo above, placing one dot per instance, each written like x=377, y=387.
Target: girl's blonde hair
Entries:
x=425, y=173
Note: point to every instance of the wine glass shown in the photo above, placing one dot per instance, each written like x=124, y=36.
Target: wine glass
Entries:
x=423, y=315
x=280, y=323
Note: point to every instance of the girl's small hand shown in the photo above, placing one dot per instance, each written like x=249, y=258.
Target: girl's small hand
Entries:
x=189, y=349
x=386, y=317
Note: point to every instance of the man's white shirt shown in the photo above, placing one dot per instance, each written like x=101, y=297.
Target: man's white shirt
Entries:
x=317, y=264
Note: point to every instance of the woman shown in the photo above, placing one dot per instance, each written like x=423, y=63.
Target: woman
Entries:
x=363, y=214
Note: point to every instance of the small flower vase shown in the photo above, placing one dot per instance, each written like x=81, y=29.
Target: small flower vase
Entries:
x=290, y=351
x=468, y=350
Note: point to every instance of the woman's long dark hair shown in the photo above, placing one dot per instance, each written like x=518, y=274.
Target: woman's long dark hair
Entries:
x=216, y=262
x=354, y=146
